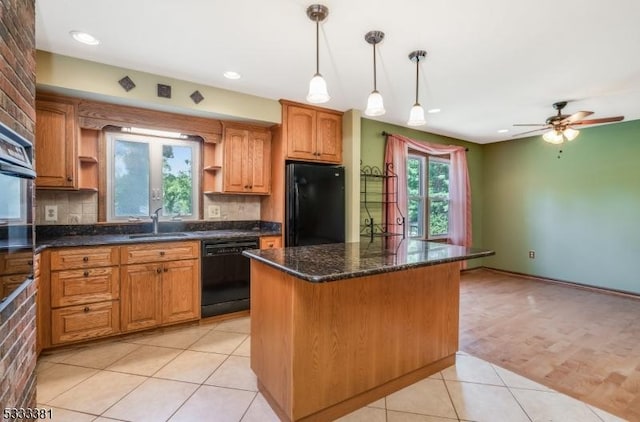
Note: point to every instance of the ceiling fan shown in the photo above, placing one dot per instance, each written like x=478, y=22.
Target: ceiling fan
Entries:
x=561, y=126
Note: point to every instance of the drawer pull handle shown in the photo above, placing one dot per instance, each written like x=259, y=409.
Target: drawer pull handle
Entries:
x=86, y=273
x=86, y=309
x=30, y=262
x=69, y=179
x=161, y=253
x=159, y=270
x=85, y=258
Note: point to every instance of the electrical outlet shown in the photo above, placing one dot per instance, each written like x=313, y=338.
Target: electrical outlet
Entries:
x=51, y=213
x=532, y=254
x=213, y=211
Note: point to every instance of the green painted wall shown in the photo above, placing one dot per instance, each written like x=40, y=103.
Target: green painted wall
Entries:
x=580, y=213
x=372, y=153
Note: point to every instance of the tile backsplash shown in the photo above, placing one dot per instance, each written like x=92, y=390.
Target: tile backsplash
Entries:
x=233, y=207
x=82, y=207
x=72, y=207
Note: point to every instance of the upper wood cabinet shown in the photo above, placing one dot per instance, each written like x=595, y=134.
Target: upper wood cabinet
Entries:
x=56, y=143
x=247, y=160
x=311, y=133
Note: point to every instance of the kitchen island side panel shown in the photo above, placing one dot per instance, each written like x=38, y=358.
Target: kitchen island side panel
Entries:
x=350, y=340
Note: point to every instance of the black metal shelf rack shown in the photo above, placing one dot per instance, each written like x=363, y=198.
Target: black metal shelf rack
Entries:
x=375, y=200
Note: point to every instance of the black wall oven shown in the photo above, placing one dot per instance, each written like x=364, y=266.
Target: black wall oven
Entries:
x=16, y=211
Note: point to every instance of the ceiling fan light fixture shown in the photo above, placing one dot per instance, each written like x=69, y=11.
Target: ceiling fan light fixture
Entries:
x=318, y=92
x=553, y=137
x=416, y=115
x=570, y=133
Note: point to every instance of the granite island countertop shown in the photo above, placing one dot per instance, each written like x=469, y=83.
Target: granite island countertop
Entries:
x=116, y=239
x=338, y=261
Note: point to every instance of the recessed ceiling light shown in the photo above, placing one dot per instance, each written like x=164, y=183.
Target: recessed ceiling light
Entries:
x=434, y=110
x=503, y=130
x=84, y=38
x=230, y=74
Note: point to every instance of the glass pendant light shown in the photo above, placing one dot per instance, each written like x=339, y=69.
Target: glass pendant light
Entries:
x=317, y=87
x=553, y=137
x=375, y=105
x=416, y=116
x=570, y=133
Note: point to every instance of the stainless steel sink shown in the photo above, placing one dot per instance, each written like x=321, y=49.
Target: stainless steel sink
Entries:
x=151, y=235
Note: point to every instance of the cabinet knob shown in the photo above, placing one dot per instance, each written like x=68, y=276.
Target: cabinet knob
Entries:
x=159, y=270
x=166, y=269
x=30, y=262
x=86, y=273
x=85, y=258
x=86, y=309
x=69, y=179
x=161, y=253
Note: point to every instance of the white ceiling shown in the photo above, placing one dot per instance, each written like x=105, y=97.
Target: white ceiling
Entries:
x=490, y=63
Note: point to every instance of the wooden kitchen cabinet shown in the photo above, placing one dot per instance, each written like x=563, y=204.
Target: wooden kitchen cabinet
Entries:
x=83, y=293
x=14, y=269
x=246, y=162
x=56, y=145
x=160, y=284
x=270, y=242
x=312, y=133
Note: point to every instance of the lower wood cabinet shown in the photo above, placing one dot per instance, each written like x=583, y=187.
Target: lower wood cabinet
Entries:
x=85, y=293
x=84, y=322
x=162, y=291
x=270, y=242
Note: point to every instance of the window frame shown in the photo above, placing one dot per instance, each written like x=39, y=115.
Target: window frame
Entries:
x=424, y=197
x=155, y=174
x=22, y=200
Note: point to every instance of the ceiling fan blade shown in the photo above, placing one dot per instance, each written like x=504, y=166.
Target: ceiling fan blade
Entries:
x=576, y=116
x=596, y=121
x=530, y=131
x=531, y=124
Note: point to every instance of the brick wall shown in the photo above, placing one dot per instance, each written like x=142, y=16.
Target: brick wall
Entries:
x=17, y=110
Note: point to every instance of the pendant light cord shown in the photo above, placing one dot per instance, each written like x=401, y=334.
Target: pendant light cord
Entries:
x=417, y=71
x=317, y=46
x=375, y=88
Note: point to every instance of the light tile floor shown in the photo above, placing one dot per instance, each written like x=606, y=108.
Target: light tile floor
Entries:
x=201, y=373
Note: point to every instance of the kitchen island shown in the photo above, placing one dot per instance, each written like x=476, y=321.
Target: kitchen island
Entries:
x=335, y=327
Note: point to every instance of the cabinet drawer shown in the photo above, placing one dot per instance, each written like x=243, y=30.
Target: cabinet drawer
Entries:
x=85, y=321
x=16, y=263
x=159, y=252
x=270, y=242
x=74, y=287
x=66, y=259
x=8, y=283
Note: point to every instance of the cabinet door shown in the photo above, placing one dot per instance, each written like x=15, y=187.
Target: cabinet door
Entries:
x=301, y=133
x=329, y=137
x=140, y=296
x=55, y=149
x=260, y=161
x=180, y=291
x=236, y=158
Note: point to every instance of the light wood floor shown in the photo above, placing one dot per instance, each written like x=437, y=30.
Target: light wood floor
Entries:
x=583, y=343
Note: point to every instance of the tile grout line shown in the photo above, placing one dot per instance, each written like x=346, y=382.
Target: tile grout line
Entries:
x=510, y=392
x=446, y=386
x=248, y=407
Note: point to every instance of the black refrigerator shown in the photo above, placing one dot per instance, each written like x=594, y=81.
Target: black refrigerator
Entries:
x=315, y=204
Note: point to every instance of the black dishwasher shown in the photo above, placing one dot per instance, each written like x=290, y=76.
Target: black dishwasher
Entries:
x=225, y=275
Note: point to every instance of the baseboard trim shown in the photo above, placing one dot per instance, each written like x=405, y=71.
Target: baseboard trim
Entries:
x=614, y=292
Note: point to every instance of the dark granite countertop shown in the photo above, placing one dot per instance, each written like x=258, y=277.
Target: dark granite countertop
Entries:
x=115, y=239
x=339, y=261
